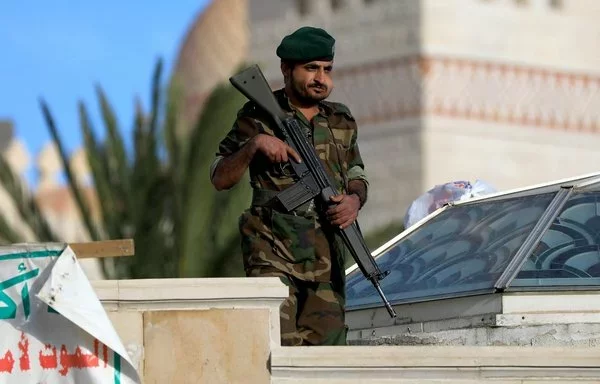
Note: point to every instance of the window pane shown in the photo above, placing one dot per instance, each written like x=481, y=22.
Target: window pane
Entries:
x=464, y=249
x=568, y=253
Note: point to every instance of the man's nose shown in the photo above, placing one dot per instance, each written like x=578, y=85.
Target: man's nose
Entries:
x=319, y=76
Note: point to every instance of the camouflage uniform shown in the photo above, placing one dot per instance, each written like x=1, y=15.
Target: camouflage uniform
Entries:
x=299, y=247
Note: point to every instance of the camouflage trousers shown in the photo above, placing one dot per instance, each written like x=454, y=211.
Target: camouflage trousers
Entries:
x=313, y=313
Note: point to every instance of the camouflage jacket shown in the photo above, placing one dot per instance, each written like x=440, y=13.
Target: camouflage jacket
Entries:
x=301, y=245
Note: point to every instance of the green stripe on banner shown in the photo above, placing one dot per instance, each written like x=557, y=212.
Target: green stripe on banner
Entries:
x=117, y=359
x=25, y=296
x=30, y=255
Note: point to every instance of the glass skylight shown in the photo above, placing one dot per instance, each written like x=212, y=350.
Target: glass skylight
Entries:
x=569, y=252
x=540, y=237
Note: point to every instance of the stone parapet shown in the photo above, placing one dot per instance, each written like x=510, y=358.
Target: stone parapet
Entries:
x=434, y=364
x=197, y=330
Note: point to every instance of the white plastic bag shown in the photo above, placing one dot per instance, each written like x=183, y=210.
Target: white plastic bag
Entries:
x=442, y=194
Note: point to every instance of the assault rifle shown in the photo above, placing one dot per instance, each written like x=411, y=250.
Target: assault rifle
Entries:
x=312, y=179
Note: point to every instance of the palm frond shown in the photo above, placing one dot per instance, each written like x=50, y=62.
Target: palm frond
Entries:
x=96, y=159
x=155, y=97
x=116, y=156
x=74, y=186
x=7, y=234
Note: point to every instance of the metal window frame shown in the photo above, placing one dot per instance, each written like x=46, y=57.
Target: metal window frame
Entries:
x=588, y=186
x=535, y=236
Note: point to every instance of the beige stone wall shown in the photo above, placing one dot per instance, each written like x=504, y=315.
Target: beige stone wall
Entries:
x=522, y=106
x=505, y=156
x=209, y=346
x=530, y=31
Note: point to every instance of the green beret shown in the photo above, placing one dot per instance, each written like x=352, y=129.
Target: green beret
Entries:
x=307, y=44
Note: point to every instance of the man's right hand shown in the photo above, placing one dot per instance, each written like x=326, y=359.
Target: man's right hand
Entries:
x=274, y=149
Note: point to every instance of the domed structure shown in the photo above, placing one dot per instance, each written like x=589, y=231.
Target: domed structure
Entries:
x=214, y=47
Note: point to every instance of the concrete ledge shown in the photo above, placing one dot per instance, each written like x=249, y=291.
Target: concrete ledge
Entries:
x=178, y=293
x=431, y=356
x=551, y=302
x=146, y=295
x=525, y=319
x=434, y=364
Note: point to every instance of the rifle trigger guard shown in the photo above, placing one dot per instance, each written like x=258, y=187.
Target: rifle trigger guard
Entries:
x=284, y=169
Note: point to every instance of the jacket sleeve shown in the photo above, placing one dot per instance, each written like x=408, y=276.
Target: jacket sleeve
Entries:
x=244, y=128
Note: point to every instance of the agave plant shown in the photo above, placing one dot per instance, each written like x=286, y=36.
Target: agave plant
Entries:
x=157, y=193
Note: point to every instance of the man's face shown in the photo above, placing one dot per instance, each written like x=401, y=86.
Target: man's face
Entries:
x=309, y=82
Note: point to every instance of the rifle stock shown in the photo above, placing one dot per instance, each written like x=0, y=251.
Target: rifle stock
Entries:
x=312, y=179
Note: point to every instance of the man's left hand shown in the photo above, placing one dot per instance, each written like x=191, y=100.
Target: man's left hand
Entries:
x=345, y=211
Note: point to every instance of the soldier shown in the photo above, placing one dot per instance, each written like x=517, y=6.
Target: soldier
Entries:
x=299, y=247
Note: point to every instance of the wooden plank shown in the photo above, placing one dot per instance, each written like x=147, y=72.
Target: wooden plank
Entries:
x=106, y=248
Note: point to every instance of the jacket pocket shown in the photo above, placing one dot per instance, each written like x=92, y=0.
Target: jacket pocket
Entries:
x=293, y=237
x=341, y=137
x=256, y=239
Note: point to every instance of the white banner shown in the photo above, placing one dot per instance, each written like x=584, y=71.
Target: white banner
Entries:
x=54, y=329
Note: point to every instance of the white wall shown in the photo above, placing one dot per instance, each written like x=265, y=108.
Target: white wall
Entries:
x=505, y=156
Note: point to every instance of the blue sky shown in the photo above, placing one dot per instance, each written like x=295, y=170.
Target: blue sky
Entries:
x=59, y=50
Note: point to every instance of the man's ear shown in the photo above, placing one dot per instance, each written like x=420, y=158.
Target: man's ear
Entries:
x=285, y=70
